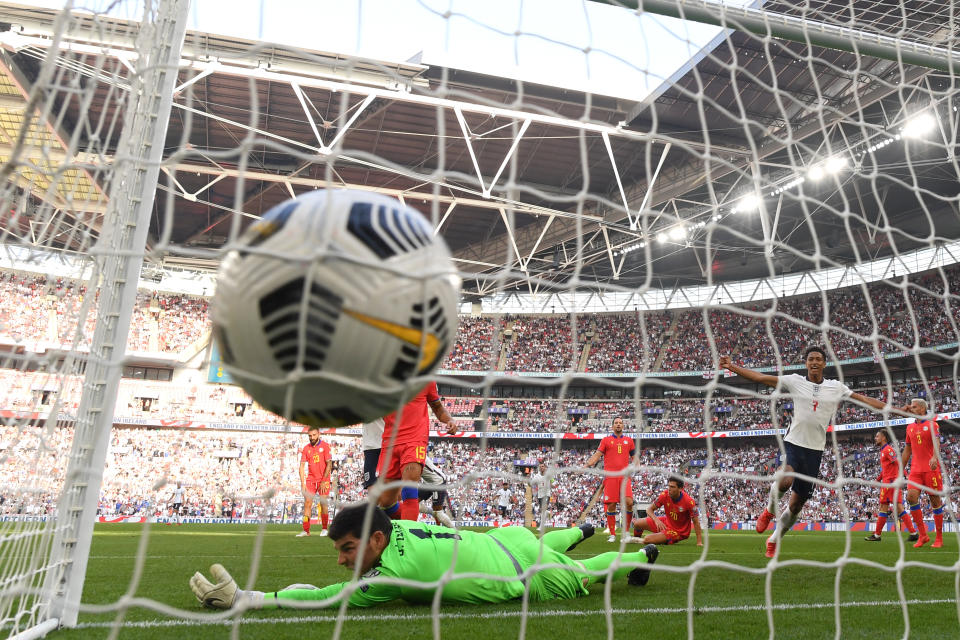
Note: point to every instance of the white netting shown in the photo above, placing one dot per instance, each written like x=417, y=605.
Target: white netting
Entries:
x=627, y=196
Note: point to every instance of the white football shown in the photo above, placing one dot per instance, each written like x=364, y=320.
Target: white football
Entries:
x=330, y=303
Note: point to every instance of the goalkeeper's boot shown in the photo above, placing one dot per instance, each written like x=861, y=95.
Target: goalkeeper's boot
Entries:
x=873, y=538
x=639, y=577
x=763, y=522
x=588, y=530
x=913, y=537
x=221, y=595
x=771, y=548
x=924, y=539
x=938, y=541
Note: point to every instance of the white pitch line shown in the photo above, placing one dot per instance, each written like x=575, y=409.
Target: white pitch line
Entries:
x=150, y=624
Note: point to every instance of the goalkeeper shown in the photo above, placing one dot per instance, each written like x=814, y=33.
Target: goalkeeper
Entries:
x=414, y=551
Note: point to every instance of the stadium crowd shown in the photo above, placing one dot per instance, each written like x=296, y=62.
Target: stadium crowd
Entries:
x=903, y=314
x=229, y=474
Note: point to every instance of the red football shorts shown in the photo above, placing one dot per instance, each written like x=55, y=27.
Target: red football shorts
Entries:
x=926, y=480
x=401, y=456
x=611, y=489
x=673, y=536
x=890, y=494
x=316, y=487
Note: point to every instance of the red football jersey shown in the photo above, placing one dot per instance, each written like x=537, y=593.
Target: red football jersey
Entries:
x=414, y=427
x=317, y=457
x=920, y=437
x=678, y=513
x=889, y=465
x=617, y=452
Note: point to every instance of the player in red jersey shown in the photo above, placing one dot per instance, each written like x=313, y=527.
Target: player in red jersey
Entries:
x=617, y=451
x=890, y=474
x=315, y=470
x=402, y=455
x=922, y=448
x=679, y=516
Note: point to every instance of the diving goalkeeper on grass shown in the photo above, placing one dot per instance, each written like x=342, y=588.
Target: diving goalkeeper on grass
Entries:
x=415, y=551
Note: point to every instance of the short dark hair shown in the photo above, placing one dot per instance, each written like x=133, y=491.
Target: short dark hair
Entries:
x=352, y=520
x=883, y=433
x=676, y=479
x=313, y=427
x=814, y=349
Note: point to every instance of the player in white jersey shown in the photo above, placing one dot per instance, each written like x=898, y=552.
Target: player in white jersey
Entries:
x=815, y=402
x=372, y=439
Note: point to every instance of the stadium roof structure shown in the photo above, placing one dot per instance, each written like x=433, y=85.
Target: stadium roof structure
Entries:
x=597, y=179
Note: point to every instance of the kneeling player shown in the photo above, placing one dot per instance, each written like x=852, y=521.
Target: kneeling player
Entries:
x=680, y=513
x=383, y=551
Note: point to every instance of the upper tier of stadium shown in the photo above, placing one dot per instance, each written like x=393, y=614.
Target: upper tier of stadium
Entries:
x=916, y=315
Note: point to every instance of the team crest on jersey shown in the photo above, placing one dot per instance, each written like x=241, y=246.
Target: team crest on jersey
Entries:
x=926, y=428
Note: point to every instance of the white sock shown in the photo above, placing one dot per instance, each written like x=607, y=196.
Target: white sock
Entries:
x=775, y=496
x=784, y=522
x=443, y=519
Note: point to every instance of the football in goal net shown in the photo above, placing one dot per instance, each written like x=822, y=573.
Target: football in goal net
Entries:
x=446, y=319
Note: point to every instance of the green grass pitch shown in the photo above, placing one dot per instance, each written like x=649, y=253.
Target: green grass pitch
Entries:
x=727, y=602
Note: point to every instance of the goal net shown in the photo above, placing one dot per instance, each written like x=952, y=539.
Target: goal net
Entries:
x=631, y=192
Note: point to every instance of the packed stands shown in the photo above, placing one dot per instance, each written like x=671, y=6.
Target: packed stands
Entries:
x=227, y=474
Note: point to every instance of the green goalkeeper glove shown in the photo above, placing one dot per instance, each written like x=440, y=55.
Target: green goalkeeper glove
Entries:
x=222, y=595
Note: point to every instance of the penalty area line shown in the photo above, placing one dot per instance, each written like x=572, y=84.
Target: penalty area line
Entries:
x=150, y=624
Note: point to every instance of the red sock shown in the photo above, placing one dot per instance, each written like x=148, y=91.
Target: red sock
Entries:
x=918, y=519
x=907, y=522
x=306, y=523
x=325, y=519
x=410, y=509
x=881, y=523
x=938, y=523
x=612, y=524
x=629, y=521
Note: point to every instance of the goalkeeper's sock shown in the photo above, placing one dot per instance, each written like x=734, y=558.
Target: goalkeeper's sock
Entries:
x=612, y=523
x=917, y=513
x=907, y=522
x=603, y=562
x=775, y=497
x=324, y=519
x=562, y=539
x=306, y=523
x=938, y=520
x=881, y=523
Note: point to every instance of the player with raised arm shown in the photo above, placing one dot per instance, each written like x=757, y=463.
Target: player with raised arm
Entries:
x=617, y=451
x=890, y=474
x=922, y=449
x=315, y=468
x=815, y=401
x=382, y=551
x=402, y=456
x=679, y=517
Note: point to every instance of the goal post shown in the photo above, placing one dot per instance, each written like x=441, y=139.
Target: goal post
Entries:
x=117, y=258
x=753, y=199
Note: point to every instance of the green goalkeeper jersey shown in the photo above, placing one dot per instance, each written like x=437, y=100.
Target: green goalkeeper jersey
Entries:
x=424, y=553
